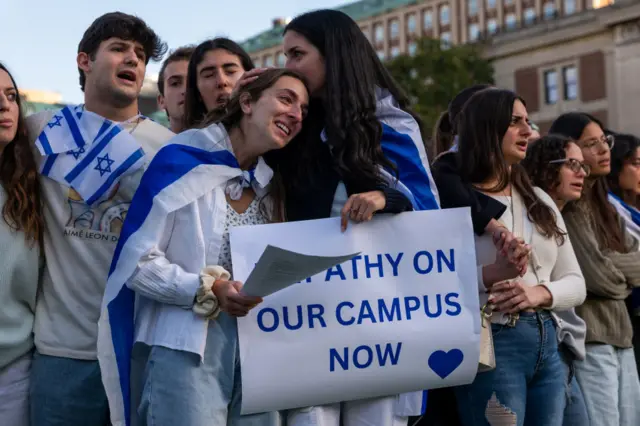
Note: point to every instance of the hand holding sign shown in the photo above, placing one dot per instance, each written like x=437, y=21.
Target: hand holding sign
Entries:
x=231, y=300
x=361, y=207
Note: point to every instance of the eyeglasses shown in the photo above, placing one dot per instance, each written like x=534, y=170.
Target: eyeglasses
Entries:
x=574, y=165
x=594, y=144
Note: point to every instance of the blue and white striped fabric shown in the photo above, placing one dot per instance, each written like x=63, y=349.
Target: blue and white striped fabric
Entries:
x=191, y=165
x=631, y=217
x=402, y=144
x=87, y=152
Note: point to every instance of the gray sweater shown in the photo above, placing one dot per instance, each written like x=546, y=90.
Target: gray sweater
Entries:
x=609, y=277
x=19, y=267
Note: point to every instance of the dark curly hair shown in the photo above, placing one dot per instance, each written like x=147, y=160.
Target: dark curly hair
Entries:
x=122, y=26
x=622, y=151
x=482, y=125
x=22, y=210
x=605, y=223
x=539, y=155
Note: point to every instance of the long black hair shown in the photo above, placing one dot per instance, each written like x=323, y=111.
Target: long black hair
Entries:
x=623, y=150
x=347, y=111
x=447, y=125
x=482, y=125
x=605, y=218
x=194, y=108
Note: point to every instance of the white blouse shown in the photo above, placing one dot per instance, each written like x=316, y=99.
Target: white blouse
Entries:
x=556, y=267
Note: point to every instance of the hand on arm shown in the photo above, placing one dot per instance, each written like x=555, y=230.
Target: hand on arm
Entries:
x=512, y=257
x=510, y=297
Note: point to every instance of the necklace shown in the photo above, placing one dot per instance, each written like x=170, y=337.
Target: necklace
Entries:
x=510, y=203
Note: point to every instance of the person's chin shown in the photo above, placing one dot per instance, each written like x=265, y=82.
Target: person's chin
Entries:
x=600, y=171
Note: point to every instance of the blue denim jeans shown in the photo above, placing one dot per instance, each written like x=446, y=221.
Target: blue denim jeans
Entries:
x=575, y=412
x=67, y=392
x=179, y=389
x=527, y=387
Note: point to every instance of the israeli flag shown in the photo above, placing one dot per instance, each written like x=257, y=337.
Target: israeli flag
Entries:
x=191, y=165
x=87, y=152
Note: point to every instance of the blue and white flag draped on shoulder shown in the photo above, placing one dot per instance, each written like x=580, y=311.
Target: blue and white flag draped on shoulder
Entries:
x=87, y=152
x=191, y=165
x=402, y=144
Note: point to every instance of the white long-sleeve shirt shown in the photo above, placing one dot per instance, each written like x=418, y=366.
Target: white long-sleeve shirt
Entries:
x=557, y=267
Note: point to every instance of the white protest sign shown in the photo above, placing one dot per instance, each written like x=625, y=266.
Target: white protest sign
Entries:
x=402, y=316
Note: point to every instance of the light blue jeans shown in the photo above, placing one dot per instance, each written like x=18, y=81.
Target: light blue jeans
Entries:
x=609, y=381
x=528, y=385
x=66, y=392
x=178, y=389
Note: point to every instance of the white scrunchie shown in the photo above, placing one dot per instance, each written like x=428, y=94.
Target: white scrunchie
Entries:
x=207, y=304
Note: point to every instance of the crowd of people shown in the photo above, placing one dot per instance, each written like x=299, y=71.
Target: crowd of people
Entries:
x=115, y=266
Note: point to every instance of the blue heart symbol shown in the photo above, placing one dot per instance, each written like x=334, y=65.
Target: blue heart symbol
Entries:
x=444, y=363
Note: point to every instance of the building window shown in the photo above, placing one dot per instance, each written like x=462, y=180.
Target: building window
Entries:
x=570, y=82
x=394, y=29
x=427, y=20
x=281, y=59
x=413, y=48
x=379, y=33
x=551, y=87
x=474, y=32
x=510, y=21
x=492, y=26
x=569, y=7
x=507, y=2
x=444, y=15
x=530, y=16
x=597, y=4
x=549, y=10
x=472, y=7
x=491, y=4
x=445, y=40
x=395, y=52
x=268, y=61
x=380, y=54
x=256, y=62
x=412, y=24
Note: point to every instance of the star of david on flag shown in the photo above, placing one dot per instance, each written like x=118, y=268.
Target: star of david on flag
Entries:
x=87, y=152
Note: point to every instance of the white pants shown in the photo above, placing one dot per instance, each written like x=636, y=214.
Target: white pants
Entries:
x=363, y=412
x=14, y=392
